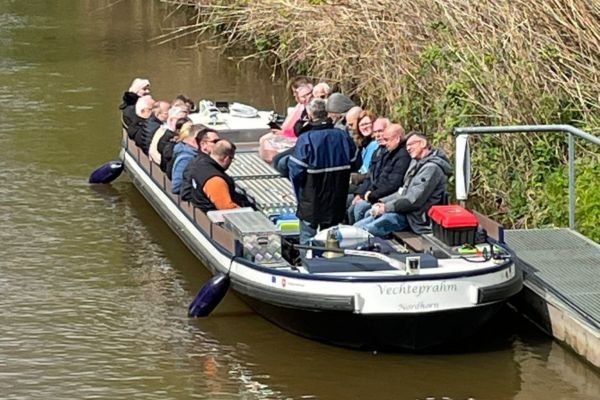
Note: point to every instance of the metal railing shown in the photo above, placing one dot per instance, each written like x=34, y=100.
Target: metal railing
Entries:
x=570, y=130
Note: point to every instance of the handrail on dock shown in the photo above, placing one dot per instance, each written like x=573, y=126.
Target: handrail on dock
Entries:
x=463, y=163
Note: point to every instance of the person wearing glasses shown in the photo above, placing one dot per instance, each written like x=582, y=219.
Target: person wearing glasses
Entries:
x=211, y=187
x=384, y=176
x=205, y=140
x=424, y=185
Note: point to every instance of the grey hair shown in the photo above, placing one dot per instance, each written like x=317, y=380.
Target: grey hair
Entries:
x=317, y=108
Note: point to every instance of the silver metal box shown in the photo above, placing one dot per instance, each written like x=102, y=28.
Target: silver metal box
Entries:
x=257, y=235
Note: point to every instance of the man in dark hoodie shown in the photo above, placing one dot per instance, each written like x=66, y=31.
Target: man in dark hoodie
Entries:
x=424, y=185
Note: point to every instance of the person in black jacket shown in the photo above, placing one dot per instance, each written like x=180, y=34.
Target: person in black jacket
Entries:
x=160, y=113
x=139, y=87
x=143, y=111
x=385, y=175
x=212, y=188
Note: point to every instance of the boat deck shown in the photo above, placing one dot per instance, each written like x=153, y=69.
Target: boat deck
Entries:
x=562, y=275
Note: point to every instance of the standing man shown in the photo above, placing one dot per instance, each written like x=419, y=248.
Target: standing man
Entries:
x=320, y=172
x=424, y=186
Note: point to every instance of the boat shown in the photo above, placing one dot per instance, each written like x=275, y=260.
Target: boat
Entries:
x=409, y=293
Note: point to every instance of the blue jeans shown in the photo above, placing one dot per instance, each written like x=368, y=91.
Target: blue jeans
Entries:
x=306, y=233
x=383, y=225
x=357, y=211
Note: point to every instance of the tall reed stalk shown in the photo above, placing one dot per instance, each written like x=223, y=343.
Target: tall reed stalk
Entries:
x=436, y=64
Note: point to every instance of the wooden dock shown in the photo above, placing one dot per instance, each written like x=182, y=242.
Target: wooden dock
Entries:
x=562, y=286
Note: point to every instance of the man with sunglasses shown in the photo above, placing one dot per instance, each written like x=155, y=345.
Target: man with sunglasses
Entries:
x=211, y=187
x=205, y=139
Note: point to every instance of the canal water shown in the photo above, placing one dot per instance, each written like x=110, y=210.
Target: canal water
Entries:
x=94, y=287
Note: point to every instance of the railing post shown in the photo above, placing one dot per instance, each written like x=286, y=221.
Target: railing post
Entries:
x=571, y=181
x=572, y=132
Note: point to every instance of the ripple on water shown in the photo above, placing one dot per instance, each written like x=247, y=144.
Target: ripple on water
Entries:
x=88, y=311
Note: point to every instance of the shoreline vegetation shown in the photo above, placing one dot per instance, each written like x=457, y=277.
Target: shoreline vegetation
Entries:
x=433, y=65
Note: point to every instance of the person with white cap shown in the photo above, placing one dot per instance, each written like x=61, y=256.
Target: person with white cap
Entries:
x=139, y=87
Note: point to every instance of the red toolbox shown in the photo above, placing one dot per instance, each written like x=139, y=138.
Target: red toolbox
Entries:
x=453, y=224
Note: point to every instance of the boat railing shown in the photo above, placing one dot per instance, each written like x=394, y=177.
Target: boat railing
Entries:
x=220, y=235
x=463, y=159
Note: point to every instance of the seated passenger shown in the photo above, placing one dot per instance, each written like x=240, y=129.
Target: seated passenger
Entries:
x=352, y=119
x=424, y=186
x=184, y=101
x=160, y=112
x=175, y=114
x=212, y=188
x=185, y=150
x=385, y=174
x=139, y=87
x=364, y=139
x=280, y=140
x=205, y=140
x=167, y=143
x=338, y=105
x=143, y=111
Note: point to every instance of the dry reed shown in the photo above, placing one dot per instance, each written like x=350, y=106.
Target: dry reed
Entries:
x=436, y=64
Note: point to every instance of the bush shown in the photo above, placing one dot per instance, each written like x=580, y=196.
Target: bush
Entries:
x=436, y=64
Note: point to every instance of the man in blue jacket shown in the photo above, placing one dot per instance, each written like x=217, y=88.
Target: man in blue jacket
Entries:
x=320, y=172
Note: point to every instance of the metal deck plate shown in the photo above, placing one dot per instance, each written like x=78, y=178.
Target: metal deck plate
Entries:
x=251, y=166
x=273, y=196
x=565, y=262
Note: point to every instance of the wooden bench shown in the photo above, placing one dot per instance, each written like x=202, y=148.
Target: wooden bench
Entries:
x=410, y=239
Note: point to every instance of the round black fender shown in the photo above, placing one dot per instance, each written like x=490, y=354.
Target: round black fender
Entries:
x=209, y=296
x=108, y=172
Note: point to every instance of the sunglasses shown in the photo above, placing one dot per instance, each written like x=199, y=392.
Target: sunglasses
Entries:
x=211, y=141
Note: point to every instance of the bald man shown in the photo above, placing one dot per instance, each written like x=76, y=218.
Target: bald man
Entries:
x=385, y=175
x=212, y=188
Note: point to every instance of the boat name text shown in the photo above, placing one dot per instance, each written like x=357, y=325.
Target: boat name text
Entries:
x=417, y=289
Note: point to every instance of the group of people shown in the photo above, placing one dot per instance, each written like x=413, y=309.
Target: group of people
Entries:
x=193, y=157
x=345, y=164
